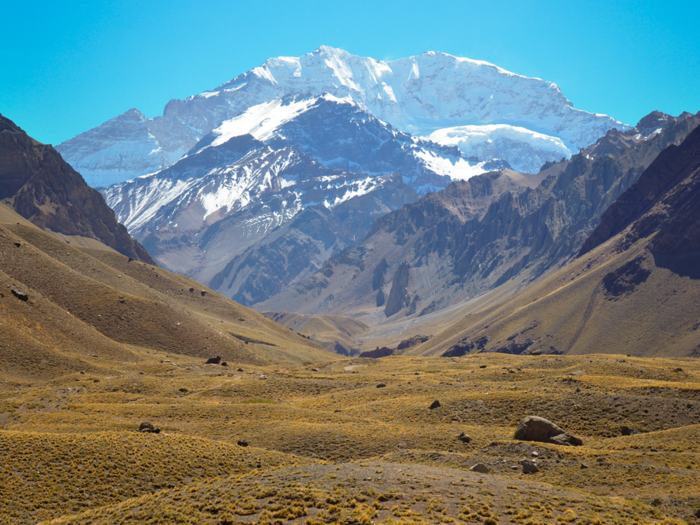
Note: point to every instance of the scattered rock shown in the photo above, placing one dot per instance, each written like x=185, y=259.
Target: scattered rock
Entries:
x=381, y=385
x=464, y=438
x=213, y=360
x=242, y=443
x=377, y=353
x=529, y=467
x=20, y=295
x=147, y=427
x=534, y=428
x=628, y=431
x=480, y=468
x=435, y=404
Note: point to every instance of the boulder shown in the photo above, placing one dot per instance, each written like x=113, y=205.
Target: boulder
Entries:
x=529, y=467
x=147, y=427
x=464, y=438
x=480, y=468
x=534, y=428
x=20, y=295
x=629, y=431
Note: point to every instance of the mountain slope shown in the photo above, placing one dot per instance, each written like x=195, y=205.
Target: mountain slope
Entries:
x=633, y=289
x=521, y=234
x=41, y=187
x=418, y=95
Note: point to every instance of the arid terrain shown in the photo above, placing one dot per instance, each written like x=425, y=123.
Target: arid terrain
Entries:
x=328, y=444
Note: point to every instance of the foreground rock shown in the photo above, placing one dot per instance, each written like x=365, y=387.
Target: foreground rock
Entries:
x=480, y=468
x=147, y=427
x=534, y=428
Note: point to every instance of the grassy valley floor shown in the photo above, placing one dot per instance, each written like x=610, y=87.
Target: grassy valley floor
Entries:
x=327, y=443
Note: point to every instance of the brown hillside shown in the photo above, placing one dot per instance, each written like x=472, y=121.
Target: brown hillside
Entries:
x=41, y=187
x=635, y=294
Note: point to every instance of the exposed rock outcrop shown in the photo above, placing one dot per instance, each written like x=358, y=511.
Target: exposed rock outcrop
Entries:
x=535, y=428
x=39, y=185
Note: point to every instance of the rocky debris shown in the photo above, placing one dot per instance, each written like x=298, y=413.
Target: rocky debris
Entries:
x=398, y=296
x=629, y=431
x=148, y=427
x=378, y=352
x=213, y=360
x=242, y=443
x=535, y=428
x=464, y=438
x=20, y=295
x=381, y=385
x=462, y=347
x=413, y=341
x=480, y=468
x=529, y=467
x=434, y=405
x=513, y=347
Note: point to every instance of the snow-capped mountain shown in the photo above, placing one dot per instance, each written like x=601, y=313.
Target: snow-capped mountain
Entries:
x=235, y=195
x=418, y=95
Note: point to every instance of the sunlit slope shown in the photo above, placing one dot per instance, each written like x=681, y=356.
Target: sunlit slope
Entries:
x=47, y=475
x=85, y=295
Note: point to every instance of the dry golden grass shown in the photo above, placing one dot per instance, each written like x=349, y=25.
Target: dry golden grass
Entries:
x=337, y=414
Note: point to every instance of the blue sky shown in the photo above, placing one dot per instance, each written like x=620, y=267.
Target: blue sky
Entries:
x=69, y=66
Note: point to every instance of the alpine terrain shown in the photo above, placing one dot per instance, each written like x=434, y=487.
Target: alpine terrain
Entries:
x=251, y=187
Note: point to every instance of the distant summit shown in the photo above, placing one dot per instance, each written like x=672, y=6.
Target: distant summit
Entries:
x=488, y=112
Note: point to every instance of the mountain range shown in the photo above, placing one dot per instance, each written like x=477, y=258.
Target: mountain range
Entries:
x=478, y=234
x=255, y=184
x=484, y=110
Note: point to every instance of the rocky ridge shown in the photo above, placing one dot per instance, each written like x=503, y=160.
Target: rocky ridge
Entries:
x=41, y=187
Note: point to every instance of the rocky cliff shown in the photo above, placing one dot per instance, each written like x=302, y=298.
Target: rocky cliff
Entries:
x=39, y=185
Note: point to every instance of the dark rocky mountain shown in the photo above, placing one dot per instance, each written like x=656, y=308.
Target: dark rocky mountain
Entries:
x=251, y=217
x=633, y=289
x=41, y=187
x=521, y=233
x=664, y=202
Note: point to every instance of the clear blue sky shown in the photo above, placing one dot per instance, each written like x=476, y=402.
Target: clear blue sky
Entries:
x=69, y=66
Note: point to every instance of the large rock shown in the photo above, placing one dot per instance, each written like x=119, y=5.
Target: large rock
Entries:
x=534, y=428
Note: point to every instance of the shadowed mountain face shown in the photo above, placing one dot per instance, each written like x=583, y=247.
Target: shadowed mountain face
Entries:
x=663, y=201
x=37, y=183
x=633, y=288
x=521, y=233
